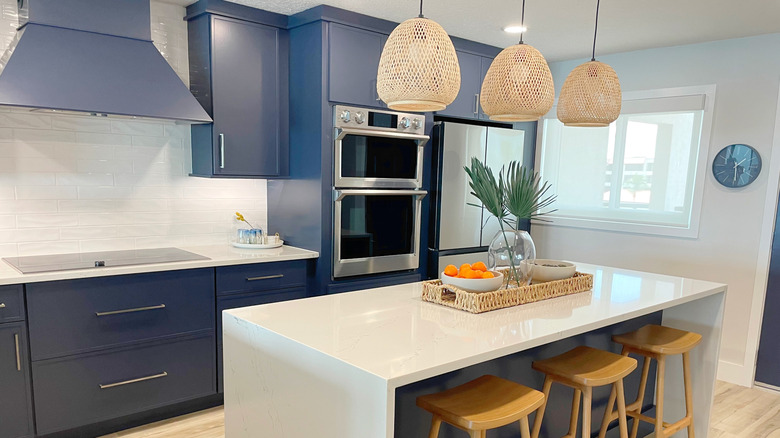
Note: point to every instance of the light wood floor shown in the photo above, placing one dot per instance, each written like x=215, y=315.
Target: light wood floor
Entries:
x=738, y=413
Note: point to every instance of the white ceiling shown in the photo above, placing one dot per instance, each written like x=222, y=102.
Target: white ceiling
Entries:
x=563, y=29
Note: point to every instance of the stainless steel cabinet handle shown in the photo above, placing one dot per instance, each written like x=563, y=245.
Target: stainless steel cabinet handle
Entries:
x=267, y=277
x=221, y=151
x=140, y=379
x=2, y=305
x=137, y=309
x=18, y=356
x=476, y=104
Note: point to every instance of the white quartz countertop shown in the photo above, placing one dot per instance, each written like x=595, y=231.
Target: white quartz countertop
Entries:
x=391, y=333
x=219, y=255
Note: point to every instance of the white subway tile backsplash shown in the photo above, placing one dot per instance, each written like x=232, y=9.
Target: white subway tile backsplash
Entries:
x=79, y=183
x=46, y=192
x=85, y=179
x=42, y=135
x=46, y=220
x=43, y=248
x=81, y=123
x=25, y=120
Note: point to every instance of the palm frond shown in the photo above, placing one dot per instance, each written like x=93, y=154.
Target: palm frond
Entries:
x=486, y=188
x=525, y=195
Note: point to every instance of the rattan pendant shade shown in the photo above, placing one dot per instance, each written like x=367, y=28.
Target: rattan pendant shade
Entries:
x=590, y=96
x=518, y=86
x=418, y=69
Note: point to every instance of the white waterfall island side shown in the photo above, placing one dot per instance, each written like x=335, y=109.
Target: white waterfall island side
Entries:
x=329, y=366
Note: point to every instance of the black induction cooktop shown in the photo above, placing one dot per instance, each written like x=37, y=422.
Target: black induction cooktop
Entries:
x=93, y=260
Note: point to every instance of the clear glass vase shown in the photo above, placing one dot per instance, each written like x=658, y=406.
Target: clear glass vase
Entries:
x=513, y=253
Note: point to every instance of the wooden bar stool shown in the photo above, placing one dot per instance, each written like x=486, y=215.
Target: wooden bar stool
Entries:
x=584, y=368
x=657, y=342
x=481, y=404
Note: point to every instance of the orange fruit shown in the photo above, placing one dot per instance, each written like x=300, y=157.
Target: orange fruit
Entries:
x=465, y=267
x=487, y=274
x=451, y=270
x=479, y=266
x=473, y=274
x=462, y=273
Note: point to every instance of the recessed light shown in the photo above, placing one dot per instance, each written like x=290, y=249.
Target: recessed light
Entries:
x=515, y=29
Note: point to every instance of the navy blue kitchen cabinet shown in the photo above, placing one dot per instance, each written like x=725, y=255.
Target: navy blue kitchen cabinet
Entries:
x=239, y=73
x=15, y=394
x=353, y=64
x=252, y=285
x=109, y=347
x=472, y=72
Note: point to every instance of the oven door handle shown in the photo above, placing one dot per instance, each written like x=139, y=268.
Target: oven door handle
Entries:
x=338, y=195
x=343, y=132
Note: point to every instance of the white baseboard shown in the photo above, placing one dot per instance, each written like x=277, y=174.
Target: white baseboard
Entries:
x=735, y=373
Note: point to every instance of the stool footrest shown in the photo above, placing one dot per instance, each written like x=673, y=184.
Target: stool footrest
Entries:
x=645, y=418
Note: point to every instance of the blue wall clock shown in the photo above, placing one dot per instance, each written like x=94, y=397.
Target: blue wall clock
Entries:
x=736, y=165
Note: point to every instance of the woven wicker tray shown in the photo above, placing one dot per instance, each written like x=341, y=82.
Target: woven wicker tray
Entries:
x=478, y=302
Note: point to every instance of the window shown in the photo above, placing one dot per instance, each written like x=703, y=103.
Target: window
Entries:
x=644, y=173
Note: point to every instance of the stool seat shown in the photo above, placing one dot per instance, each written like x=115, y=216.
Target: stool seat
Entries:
x=587, y=366
x=484, y=403
x=659, y=340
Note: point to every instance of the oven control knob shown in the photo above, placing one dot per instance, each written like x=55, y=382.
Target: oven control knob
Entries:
x=344, y=116
x=360, y=117
x=416, y=124
x=404, y=123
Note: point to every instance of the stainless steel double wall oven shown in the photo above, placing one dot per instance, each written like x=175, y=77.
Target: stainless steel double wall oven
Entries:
x=377, y=191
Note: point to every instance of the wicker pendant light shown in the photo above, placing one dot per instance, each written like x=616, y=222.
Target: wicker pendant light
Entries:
x=518, y=86
x=591, y=95
x=418, y=70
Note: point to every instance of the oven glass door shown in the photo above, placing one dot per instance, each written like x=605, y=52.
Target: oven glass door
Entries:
x=376, y=231
x=378, y=159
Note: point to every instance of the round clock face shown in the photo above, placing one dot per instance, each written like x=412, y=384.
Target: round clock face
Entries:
x=736, y=165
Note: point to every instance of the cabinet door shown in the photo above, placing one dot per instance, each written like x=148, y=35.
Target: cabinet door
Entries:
x=247, y=90
x=15, y=400
x=466, y=104
x=485, y=65
x=353, y=63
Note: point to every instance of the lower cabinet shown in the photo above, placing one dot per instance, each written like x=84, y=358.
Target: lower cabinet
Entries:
x=78, y=390
x=15, y=400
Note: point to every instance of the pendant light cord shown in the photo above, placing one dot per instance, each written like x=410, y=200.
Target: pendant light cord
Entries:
x=421, y=14
x=595, y=31
x=522, y=22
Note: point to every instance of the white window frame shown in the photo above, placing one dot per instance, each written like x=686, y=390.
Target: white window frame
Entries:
x=692, y=230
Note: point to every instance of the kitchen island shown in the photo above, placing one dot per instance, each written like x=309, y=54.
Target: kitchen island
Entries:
x=334, y=366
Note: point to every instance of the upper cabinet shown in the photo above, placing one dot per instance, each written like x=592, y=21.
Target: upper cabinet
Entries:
x=353, y=64
x=239, y=73
x=472, y=72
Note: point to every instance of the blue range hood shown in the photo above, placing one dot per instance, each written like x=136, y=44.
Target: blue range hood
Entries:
x=94, y=57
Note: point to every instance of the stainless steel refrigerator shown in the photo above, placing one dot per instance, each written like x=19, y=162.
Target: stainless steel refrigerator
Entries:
x=460, y=233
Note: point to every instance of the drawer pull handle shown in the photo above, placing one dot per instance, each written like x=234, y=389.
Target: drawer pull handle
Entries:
x=140, y=379
x=18, y=356
x=139, y=309
x=266, y=277
x=2, y=305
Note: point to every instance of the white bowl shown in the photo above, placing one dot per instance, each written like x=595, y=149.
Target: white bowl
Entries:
x=475, y=284
x=550, y=270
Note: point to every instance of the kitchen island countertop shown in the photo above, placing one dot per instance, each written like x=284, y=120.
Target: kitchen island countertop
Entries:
x=291, y=357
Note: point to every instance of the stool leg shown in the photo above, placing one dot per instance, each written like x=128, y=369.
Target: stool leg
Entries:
x=435, y=424
x=540, y=413
x=607, y=413
x=637, y=404
x=586, y=402
x=621, y=406
x=524, y=432
x=659, y=398
x=575, y=413
x=688, y=392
